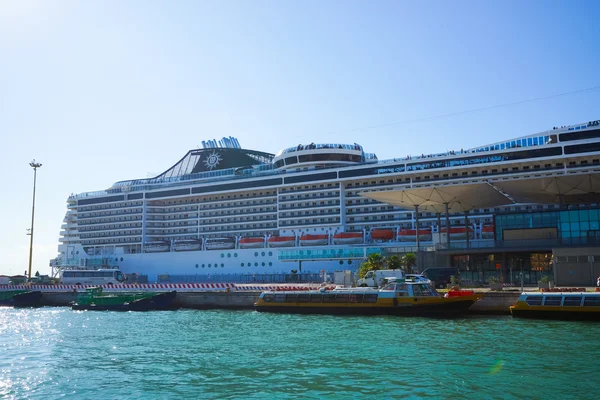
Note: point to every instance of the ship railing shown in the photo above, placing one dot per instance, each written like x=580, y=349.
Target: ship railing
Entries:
x=548, y=243
x=299, y=277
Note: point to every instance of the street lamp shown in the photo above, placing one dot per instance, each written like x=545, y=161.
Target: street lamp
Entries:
x=35, y=165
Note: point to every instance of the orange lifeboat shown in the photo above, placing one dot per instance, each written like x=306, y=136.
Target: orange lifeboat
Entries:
x=348, y=238
x=282, y=241
x=314, y=240
x=487, y=232
x=383, y=234
x=251, y=242
x=408, y=235
x=459, y=232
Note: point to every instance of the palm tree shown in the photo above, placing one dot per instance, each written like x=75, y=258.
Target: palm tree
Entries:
x=393, y=262
x=374, y=262
x=409, y=260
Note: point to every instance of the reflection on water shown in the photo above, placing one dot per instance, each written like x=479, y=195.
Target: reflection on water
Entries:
x=56, y=353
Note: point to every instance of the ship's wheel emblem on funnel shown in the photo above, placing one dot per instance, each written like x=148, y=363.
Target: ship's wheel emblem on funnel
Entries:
x=212, y=160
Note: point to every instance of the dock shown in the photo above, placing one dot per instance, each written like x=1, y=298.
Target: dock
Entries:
x=230, y=295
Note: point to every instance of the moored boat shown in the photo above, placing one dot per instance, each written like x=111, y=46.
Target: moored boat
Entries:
x=95, y=300
x=251, y=242
x=553, y=305
x=348, y=238
x=383, y=234
x=220, y=243
x=20, y=298
x=409, y=235
x=459, y=232
x=487, y=232
x=282, y=241
x=313, y=240
x=401, y=297
x=187, y=244
x=157, y=246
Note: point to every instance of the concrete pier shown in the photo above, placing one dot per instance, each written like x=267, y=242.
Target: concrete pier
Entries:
x=244, y=296
x=492, y=302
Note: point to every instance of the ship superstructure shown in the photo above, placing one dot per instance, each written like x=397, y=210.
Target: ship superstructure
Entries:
x=222, y=209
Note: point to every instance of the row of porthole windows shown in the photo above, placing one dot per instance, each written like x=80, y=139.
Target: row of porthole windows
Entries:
x=256, y=264
x=262, y=253
x=228, y=255
x=211, y=265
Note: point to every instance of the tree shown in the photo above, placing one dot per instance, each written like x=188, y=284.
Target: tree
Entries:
x=409, y=260
x=374, y=262
x=393, y=262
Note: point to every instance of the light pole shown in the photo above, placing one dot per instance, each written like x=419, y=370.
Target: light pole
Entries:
x=35, y=165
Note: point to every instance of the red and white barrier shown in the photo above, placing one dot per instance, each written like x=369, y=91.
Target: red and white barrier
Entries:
x=158, y=287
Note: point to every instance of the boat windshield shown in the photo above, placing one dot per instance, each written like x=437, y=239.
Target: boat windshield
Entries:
x=424, y=289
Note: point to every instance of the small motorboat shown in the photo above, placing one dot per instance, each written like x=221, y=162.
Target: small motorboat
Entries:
x=187, y=245
x=558, y=305
x=220, y=243
x=348, y=238
x=282, y=241
x=487, y=232
x=409, y=235
x=383, y=234
x=459, y=233
x=157, y=246
x=251, y=242
x=314, y=240
x=400, y=297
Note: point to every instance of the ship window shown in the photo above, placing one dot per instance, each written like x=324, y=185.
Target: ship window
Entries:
x=329, y=298
x=268, y=298
x=303, y=298
x=291, y=298
x=552, y=300
x=342, y=298
x=591, y=301
x=370, y=298
x=572, y=301
x=534, y=300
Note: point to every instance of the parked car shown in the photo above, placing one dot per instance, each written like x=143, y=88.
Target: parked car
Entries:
x=440, y=276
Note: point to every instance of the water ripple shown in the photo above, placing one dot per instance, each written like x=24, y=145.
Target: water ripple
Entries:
x=53, y=353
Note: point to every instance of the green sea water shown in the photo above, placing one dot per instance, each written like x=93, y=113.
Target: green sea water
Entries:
x=56, y=353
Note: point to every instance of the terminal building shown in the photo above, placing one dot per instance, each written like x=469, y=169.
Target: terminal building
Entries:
x=516, y=210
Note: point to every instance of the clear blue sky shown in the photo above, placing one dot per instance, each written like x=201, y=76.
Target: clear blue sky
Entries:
x=102, y=91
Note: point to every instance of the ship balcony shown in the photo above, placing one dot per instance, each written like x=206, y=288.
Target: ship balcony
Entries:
x=96, y=214
x=309, y=225
x=284, y=191
x=229, y=221
x=176, y=218
x=371, y=211
x=112, y=227
x=306, y=214
x=169, y=231
x=110, y=234
x=240, y=207
x=313, y=196
x=245, y=214
x=169, y=226
x=305, y=206
x=225, y=202
x=271, y=227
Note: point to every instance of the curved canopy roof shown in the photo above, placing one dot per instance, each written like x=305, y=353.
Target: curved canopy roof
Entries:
x=566, y=189
x=460, y=198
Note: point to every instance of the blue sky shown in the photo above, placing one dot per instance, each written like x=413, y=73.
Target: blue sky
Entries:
x=104, y=91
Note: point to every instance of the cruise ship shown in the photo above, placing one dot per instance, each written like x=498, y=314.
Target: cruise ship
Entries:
x=225, y=210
